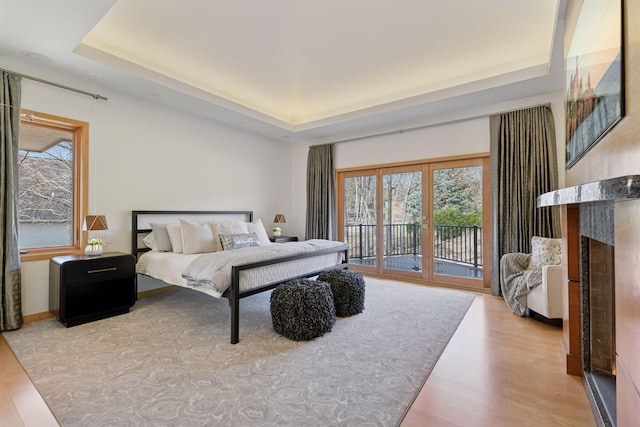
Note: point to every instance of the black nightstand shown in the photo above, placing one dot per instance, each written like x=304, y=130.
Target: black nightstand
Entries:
x=83, y=289
x=283, y=239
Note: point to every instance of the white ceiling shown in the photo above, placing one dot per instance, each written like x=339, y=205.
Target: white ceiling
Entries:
x=297, y=69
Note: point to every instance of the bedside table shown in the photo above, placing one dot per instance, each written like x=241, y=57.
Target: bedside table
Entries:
x=83, y=289
x=283, y=239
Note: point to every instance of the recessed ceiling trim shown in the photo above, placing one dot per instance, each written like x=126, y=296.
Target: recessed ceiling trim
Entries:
x=447, y=93
x=106, y=58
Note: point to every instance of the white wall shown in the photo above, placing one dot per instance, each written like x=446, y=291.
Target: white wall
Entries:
x=148, y=156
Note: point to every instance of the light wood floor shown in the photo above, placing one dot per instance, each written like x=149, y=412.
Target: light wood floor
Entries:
x=498, y=370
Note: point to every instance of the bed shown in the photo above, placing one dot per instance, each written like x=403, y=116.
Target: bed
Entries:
x=234, y=273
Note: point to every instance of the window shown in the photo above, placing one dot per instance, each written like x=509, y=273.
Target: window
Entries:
x=52, y=169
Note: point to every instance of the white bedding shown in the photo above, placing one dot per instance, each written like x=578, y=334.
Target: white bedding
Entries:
x=211, y=272
x=165, y=266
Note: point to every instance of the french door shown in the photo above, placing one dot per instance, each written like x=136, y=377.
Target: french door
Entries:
x=423, y=221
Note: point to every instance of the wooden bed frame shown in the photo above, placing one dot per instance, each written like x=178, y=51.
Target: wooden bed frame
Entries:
x=233, y=293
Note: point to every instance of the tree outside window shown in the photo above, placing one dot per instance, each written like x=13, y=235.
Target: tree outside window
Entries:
x=52, y=175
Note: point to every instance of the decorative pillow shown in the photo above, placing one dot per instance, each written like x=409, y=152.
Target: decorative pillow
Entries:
x=227, y=227
x=237, y=241
x=196, y=238
x=150, y=241
x=545, y=251
x=257, y=227
x=175, y=235
x=162, y=237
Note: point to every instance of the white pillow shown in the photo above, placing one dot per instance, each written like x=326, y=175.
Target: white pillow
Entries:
x=175, y=235
x=150, y=241
x=257, y=227
x=196, y=238
x=545, y=251
x=163, y=242
x=226, y=227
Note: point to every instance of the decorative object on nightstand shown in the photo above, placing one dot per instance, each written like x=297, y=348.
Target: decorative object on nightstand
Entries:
x=94, y=247
x=83, y=289
x=94, y=223
x=279, y=219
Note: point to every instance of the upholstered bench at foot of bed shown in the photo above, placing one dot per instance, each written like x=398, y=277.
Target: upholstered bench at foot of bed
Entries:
x=348, y=291
x=302, y=309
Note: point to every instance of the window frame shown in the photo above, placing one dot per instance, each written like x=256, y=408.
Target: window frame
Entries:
x=80, y=132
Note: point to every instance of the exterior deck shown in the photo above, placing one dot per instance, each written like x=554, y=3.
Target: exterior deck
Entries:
x=414, y=263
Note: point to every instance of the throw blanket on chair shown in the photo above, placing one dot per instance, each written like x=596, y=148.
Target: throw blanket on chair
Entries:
x=516, y=281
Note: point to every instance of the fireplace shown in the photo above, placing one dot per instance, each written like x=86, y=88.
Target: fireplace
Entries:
x=598, y=323
x=600, y=353
x=597, y=290
x=589, y=325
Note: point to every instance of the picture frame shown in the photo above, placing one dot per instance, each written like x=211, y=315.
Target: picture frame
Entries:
x=594, y=97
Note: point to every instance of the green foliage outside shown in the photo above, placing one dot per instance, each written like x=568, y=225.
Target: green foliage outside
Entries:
x=457, y=200
x=451, y=215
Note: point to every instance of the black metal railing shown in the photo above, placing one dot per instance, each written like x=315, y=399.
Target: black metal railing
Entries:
x=461, y=244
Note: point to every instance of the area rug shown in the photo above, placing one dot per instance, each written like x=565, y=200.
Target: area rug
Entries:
x=169, y=362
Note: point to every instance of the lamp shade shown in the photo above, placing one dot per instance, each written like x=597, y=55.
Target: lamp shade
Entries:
x=95, y=222
x=279, y=219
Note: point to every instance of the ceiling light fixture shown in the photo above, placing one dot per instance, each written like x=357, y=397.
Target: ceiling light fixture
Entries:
x=37, y=57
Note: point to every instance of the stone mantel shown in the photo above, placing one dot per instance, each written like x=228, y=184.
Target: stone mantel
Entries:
x=620, y=188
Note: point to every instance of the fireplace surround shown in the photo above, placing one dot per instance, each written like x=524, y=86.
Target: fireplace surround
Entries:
x=589, y=326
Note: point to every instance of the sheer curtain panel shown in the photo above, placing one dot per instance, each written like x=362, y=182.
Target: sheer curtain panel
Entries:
x=321, y=194
x=523, y=166
x=10, y=293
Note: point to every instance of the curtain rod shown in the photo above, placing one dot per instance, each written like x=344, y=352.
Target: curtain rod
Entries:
x=36, y=79
x=446, y=122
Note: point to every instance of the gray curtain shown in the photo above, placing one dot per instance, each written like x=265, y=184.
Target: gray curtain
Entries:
x=523, y=166
x=10, y=293
x=321, y=194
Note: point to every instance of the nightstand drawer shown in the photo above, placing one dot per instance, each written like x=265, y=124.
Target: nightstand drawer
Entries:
x=98, y=270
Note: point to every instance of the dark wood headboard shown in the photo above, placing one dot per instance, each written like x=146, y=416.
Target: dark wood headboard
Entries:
x=140, y=221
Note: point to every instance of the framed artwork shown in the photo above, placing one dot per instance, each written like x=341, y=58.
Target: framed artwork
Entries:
x=594, y=100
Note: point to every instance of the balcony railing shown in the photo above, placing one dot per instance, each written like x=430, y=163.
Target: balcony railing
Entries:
x=460, y=244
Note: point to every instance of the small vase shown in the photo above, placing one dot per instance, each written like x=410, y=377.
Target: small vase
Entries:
x=93, y=250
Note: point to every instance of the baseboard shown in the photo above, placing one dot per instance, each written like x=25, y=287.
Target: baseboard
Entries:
x=157, y=291
x=30, y=318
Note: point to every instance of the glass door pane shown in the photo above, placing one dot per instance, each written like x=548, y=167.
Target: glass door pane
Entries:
x=457, y=222
x=361, y=219
x=402, y=221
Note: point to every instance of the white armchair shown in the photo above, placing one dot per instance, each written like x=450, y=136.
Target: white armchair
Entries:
x=546, y=298
x=532, y=283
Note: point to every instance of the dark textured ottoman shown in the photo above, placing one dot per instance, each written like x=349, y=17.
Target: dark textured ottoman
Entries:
x=348, y=291
x=302, y=309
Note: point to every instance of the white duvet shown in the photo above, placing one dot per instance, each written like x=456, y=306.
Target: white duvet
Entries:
x=212, y=271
